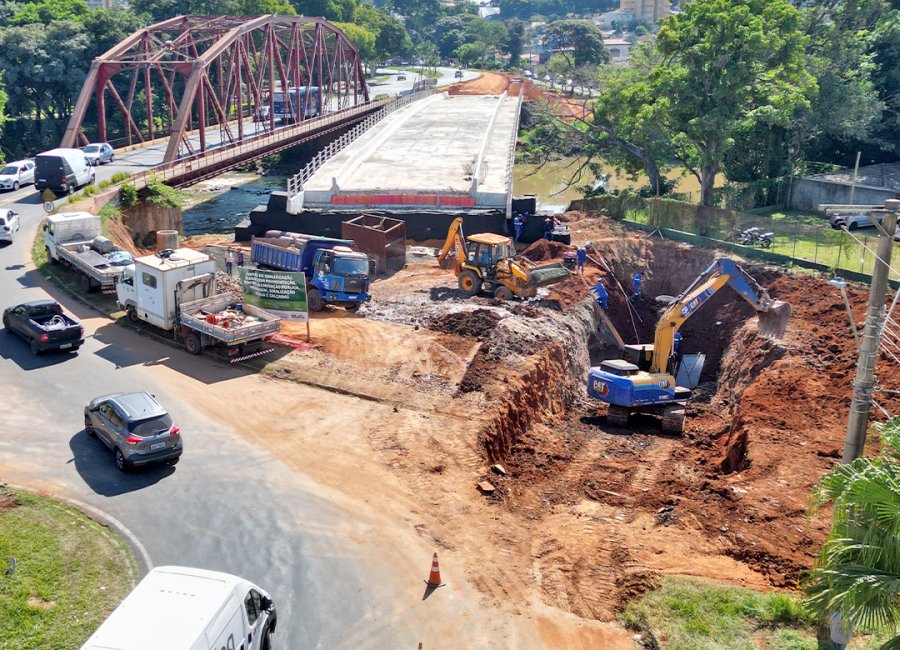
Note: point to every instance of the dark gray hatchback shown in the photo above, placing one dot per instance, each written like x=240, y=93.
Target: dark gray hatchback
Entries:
x=135, y=427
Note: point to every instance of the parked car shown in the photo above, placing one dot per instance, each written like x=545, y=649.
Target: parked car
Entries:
x=401, y=77
x=9, y=224
x=851, y=221
x=135, y=427
x=99, y=153
x=44, y=325
x=16, y=174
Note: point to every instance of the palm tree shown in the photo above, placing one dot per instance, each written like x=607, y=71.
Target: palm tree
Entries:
x=858, y=570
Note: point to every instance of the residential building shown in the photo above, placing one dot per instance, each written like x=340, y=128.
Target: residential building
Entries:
x=618, y=49
x=606, y=20
x=648, y=11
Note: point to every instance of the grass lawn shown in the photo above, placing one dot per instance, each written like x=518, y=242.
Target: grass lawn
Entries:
x=70, y=573
x=693, y=614
x=808, y=236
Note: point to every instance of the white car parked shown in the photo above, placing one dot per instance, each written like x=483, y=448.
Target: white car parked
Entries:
x=852, y=221
x=16, y=174
x=9, y=224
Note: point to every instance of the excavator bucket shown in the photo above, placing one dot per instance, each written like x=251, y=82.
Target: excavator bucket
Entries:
x=773, y=322
x=543, y=276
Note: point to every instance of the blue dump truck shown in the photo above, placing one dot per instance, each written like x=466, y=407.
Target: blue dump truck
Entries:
x=335, y=274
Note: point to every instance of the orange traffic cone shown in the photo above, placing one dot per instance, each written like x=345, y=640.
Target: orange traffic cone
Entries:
x=434, y=578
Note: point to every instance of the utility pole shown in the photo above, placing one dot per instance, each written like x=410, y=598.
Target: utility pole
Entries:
x=855, y=175
x=871, y=337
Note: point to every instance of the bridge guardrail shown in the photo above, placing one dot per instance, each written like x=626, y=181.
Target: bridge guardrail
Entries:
x=295, y=182
x=235, y=152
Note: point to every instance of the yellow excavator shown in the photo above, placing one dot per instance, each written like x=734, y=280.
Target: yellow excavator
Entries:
x=488, y=262
x=645, y=383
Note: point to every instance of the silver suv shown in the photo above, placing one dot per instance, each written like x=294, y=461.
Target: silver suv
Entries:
x=135, y=427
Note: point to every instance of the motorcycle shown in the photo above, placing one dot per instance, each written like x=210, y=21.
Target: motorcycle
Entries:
x=753, y=237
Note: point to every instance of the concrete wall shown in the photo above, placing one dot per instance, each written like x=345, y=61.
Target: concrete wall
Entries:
x=809, y=193
x=144, y=220
x=421, y=225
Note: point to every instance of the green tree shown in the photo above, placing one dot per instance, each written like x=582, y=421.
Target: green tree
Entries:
x=858, y=570
x=727, y=64
x=260, y=7
x=391, y=38
x=362, y=38
x=44, y=67
x=107, y=27
x=47, y=11
x=489, y=36
x=3, y=116
x=580, y=41
x=515, y=29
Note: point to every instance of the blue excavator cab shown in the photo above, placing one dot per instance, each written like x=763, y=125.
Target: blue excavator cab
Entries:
x=645, y=381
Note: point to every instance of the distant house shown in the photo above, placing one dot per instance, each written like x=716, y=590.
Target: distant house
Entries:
x=874, y=185
x=606, y=20
x=618, y=49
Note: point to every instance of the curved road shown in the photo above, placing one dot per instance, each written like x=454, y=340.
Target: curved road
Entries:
x=226, y=506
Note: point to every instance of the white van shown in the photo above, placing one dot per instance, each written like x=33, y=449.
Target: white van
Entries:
x=177, y=608
x=62, y=170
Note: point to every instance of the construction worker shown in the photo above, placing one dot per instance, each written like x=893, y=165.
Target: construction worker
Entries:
x=580, y=259
x=240, y=257
x=841, y=631
x=548, y=229
x=636, y=285
x=601, y=296
x=517, y=227
x=676, y=345
x=229, y=261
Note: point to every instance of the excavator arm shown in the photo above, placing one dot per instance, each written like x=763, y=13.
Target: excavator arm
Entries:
x=773, y=314
x=456, y=241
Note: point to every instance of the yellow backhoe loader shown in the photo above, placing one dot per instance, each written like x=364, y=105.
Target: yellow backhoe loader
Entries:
x=488, y=262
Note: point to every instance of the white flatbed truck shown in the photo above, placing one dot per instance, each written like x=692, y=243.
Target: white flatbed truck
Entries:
x=176, y=292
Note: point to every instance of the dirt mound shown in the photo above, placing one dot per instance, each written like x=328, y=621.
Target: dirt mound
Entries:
x=8, y=501
x=477, y=324
x=489, y=83
x=543, y=250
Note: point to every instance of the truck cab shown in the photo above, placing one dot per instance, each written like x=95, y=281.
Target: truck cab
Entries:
x=340, y=276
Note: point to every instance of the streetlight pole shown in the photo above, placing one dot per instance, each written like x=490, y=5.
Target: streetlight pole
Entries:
x=871, y=337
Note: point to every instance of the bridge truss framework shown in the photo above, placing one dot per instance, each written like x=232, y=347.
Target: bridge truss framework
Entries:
x=213, y=73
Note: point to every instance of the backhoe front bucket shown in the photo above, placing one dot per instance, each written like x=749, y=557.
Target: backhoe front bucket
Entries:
x=774, y=321
x=543, y=276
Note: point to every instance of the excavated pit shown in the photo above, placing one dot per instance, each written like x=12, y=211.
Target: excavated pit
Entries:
x=765, y=423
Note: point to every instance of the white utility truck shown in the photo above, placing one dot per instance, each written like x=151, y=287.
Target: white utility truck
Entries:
x=175, y=290
x=74, y=240
x=179, y=608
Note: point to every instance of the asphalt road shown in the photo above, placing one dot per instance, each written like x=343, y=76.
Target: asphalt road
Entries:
x=226, y=506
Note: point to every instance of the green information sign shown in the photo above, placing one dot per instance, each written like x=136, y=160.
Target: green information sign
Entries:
x=278, y=292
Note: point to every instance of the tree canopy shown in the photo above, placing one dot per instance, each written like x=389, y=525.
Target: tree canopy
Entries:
x=858, y=571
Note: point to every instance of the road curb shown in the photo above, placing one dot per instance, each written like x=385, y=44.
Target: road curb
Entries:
x=139, y=553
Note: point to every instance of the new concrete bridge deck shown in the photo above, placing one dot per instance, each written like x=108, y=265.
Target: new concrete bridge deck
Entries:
x=444, y=152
